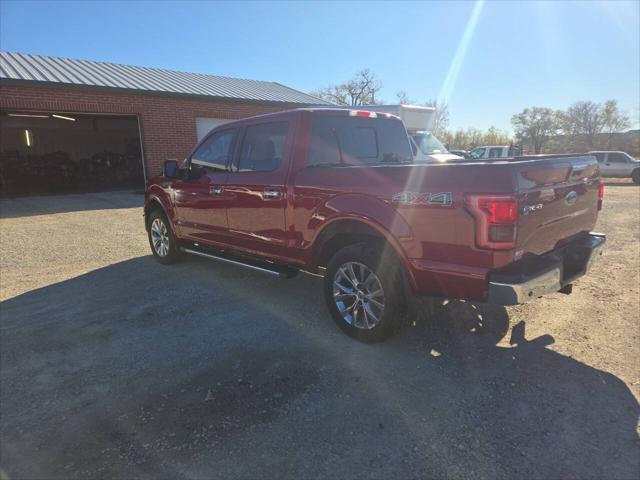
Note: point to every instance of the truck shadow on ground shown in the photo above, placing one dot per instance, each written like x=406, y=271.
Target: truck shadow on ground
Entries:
x=203, y=370
x=34, y=205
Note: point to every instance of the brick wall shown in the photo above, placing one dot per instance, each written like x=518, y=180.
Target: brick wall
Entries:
x=168, y=124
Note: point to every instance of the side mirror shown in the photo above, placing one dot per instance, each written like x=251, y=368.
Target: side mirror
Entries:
x=170, y=168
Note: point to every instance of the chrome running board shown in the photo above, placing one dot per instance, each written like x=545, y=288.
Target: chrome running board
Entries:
x=285, y=272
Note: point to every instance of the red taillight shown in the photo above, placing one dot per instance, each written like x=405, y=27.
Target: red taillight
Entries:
x=496, y=217
x=600, y=194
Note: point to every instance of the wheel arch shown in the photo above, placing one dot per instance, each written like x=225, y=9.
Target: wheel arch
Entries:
x=348, y=230
x=154, y=203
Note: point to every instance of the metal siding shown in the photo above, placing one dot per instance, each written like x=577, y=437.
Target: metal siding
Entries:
x=39, y=68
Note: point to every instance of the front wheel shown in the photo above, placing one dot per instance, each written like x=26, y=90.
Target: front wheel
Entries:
x=362, y=291
x=635, y=176
x=161, y=239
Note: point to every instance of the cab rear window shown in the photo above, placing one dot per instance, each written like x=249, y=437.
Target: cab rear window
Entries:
x=342, y=140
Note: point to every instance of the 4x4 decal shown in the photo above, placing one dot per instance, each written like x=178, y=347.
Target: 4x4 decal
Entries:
x=443, y=199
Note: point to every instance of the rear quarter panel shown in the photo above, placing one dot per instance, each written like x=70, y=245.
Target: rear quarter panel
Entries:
x=437, y=242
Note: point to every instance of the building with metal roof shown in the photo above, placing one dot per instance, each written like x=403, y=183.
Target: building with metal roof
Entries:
x=65, y=71
x=71, y=124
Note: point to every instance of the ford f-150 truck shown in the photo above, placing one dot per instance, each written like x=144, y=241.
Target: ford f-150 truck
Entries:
x=337, y=192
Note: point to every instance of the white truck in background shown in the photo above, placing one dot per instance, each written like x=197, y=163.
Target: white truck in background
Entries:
x=419, y=122
x=494, y=151
x=618, y=164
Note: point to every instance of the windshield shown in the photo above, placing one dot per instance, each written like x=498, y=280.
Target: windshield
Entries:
x=428, y=144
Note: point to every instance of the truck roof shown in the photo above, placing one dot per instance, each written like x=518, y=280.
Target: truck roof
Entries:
x=289, y=113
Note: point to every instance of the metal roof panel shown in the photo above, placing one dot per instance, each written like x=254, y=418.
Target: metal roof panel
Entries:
x=41, y=68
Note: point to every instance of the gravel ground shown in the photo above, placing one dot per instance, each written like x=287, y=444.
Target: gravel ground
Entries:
x=115, y=366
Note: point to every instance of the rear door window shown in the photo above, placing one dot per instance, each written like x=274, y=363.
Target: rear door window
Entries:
x=616, y=158
x=263, y=147
x=495, y=152
x=600, y=157
x=342, y=140
x=361, y=143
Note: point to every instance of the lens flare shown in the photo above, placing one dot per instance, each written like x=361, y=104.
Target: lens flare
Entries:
x=461, y=52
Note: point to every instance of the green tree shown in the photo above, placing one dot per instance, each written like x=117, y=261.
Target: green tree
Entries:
x=495, y=136
x=614, y=120
x=584, y=119
x=473, y=137
x=536, y=125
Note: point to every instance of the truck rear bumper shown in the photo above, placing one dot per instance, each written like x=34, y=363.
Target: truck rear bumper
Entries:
x=532, y=278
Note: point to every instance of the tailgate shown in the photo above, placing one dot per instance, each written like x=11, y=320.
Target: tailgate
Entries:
x=558, y=199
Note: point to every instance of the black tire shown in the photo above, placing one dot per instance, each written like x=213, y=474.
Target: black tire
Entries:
x=387, y=270
x=172, y=252
x=635, y=176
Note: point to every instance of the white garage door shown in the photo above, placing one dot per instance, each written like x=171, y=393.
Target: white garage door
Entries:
x=205, y=125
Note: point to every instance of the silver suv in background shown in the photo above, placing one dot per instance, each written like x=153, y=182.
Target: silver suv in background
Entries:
x=618, y=164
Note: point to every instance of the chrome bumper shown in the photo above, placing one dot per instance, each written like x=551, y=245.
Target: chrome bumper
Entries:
x=549, y=273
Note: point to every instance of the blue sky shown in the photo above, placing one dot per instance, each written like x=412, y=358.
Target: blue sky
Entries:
x=489, y=60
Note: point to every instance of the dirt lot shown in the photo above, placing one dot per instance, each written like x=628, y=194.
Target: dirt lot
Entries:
x=115, y=366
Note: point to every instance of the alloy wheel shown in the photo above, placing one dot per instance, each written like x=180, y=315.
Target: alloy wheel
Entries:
x=358, y=295
x=160, y=237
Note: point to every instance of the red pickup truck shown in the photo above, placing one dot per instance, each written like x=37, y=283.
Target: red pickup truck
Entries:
x=338, y=192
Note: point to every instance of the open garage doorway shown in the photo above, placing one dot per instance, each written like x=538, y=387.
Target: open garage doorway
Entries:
x=54, y=152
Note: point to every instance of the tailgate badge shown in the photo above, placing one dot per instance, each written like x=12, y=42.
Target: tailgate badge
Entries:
x=444, y=199
x=571, y=198
x=527, y=209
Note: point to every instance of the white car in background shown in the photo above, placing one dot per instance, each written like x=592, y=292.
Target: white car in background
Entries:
x=618, y=164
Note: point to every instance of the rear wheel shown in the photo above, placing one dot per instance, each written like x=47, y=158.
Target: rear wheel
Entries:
x=635, y=176
x=363, y=293
x=161, y=239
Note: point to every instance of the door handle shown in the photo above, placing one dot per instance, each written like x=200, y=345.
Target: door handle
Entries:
x=271, y=194
x=216, y=190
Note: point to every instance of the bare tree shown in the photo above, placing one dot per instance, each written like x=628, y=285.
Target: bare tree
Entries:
x=402, y=98
x=362, y=89
x=442, y=117
x=536, y=125
x=586, y=119
x=334, y=94
x=614, y=120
